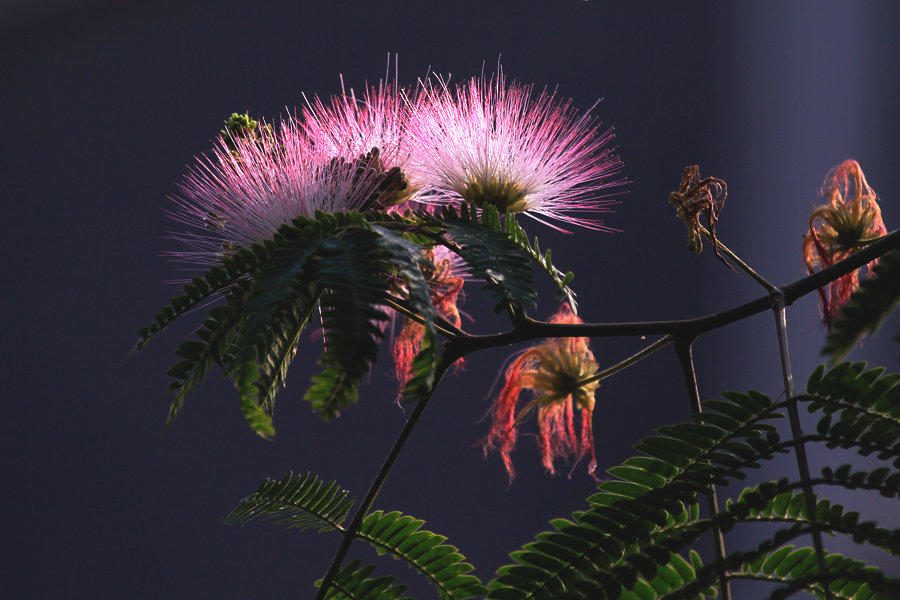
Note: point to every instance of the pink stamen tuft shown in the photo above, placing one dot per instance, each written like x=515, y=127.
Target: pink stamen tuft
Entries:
x=487, y=142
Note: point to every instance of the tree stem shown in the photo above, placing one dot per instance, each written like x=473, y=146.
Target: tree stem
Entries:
x=442, y=325
x=529, y=329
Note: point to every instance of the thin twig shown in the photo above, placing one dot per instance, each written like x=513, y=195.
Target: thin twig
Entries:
x=686, y=360
x=797, y=434
x=736, y=260
x=440, y=324
x=631, y=360
x=378, y=482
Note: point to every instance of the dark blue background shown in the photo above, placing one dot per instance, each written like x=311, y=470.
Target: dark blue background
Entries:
x=104, y=106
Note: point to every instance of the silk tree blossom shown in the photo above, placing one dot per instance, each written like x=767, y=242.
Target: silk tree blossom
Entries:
x=487, y=142
x=553, y=371
x=349, y=126
x=850, y=220
x=252, y=184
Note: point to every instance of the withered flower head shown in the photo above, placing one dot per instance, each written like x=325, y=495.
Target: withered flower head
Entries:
x=441, y=269
x=694, y=197
x=553, y=371
x=850, y=220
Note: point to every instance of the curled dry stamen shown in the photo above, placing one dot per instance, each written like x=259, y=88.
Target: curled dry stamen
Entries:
x=694, y=197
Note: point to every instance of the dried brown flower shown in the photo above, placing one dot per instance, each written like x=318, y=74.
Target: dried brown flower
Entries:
x=694, y=197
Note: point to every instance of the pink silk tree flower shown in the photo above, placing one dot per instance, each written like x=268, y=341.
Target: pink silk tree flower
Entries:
x=552, y=371
x=850, y=220
x=255, y=182
x=486, y=142
x=351, y=127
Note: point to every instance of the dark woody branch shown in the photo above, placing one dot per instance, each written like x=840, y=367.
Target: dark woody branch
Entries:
x=529, y=329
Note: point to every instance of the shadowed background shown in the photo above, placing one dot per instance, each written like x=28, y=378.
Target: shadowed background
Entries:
x=105, y=106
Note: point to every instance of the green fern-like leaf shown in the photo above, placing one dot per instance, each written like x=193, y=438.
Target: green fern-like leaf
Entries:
x=442, y=564
x=652, y=561
x=297, y=501
x=674, y=574
x=781, y=502
x=254, y=335
x=281, y=346
x=354, y=268
x=884, y=480
x=796, y=569
x=635, y=524
x=491, y=255
x=867, y=308
x=404, y=260
x=353, y=582
x=247, y=384
x=855, y=385
x=624, y=545
x=352, y=265
x=212, y=345
x=276, y=308
x=520, y=237
x=860, y=408
x=305, y=502
x=234, y=268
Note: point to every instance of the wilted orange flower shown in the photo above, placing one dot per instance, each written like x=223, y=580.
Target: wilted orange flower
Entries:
x=850, y=220
x=552, y=371
x=445, y=290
